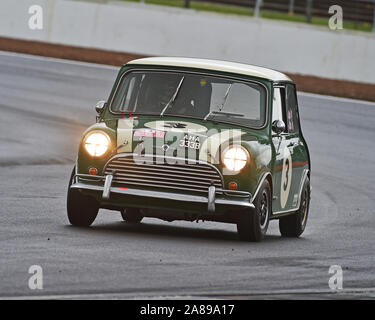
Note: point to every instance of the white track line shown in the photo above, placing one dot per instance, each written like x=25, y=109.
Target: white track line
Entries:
x=333, y=98
x=366, y=292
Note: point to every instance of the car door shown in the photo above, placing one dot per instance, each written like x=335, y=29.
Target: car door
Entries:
x=284, y=178
x=295, y=143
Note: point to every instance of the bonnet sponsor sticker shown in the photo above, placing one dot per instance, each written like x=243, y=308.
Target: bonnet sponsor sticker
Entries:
x=175, y=126
x=151, y=133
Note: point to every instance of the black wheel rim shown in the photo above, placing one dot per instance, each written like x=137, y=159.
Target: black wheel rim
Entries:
x=263, y=210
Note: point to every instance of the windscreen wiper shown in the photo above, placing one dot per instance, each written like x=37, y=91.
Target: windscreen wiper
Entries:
x=228, y=113
x=170, y=102
x=221, y=105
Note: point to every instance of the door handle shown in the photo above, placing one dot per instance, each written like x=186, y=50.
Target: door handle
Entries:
x=292, y=144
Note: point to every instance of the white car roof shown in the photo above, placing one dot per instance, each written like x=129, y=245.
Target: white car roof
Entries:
x=217, y=65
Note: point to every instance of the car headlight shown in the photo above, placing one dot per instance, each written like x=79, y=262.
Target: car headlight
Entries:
x=96, y=143
x=235, y=158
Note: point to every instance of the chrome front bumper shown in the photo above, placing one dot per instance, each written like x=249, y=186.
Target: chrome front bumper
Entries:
x=211, y=201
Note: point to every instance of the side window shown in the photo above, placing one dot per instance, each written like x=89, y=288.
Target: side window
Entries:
x=278, y=104
x=292, y=122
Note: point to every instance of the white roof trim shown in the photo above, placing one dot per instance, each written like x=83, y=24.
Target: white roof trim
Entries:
x=217, y=65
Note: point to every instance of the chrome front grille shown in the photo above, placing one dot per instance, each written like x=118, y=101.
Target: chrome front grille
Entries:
x=192, y=177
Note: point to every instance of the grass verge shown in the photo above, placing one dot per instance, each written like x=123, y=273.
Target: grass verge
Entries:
x=237, y=10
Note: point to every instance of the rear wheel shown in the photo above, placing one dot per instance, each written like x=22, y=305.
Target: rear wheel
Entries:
x=294, y=225
x=82, y=209
x=131, y=215
x=253, y=225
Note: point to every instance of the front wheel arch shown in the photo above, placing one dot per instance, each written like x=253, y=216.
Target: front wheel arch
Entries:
x=252, y=225
x=269, y=178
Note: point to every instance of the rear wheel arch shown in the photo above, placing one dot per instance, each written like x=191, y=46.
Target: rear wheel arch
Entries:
x=293, y=225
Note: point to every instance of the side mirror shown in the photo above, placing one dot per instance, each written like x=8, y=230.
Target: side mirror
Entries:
x=99, y=107
x=278, y=126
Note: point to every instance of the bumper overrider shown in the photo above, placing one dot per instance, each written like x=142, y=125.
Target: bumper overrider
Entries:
x=117, y=189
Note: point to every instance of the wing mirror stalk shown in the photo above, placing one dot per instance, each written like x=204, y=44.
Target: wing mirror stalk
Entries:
x=99, y=108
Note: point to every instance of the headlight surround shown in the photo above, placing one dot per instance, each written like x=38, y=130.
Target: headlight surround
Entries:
x=235, y=158
x=97, y=143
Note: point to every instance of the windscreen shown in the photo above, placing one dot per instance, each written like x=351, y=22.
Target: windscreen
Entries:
x=211, y=98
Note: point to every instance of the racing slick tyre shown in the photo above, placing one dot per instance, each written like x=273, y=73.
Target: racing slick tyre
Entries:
x=253, y=225
x=131, y=215
x=294, y=225
x=82, y=209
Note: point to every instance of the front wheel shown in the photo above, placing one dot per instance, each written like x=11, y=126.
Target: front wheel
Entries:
x=131, y=215
x=82, y=209
x=294, y=225
x=253, y=225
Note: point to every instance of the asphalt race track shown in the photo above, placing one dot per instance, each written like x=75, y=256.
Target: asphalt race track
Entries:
x=46, y=104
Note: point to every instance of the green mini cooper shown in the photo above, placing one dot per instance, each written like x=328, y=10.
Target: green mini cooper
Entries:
x=194, y=139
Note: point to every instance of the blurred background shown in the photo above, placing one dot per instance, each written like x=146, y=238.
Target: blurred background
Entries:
x=326, y=47
x=359, y=15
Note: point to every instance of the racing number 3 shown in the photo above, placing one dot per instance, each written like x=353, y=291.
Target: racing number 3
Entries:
x=286, y=178
x=286, y=174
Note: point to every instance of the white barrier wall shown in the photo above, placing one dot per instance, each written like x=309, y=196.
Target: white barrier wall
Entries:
x=159, y=30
